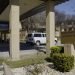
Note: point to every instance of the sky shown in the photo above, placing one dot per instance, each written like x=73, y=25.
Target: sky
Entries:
x=67, y=7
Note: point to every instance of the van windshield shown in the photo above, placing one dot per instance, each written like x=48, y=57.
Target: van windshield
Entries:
x=29, y=35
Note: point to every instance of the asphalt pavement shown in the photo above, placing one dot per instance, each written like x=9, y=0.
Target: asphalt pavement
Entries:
x=4, y=47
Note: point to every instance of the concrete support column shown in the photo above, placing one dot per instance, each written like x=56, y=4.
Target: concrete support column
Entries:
x=50, y=24
x=14, y=30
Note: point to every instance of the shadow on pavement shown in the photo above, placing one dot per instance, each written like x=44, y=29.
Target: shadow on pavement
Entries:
x=23, y=46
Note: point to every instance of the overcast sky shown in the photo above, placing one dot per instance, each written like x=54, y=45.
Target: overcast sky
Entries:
x=67, y=7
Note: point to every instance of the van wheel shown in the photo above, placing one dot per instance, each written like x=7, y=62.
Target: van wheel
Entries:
x=37, y=43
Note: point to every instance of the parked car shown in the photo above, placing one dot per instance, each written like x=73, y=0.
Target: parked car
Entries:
x=37, y=38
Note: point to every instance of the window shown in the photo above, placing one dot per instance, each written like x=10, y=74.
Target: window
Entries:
x=44, y=35
x=37, y=35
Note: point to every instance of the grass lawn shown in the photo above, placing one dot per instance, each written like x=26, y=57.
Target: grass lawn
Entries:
x=36, y=59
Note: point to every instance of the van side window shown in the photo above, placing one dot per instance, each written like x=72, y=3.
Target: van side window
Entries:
x=44, y=35
x=37, y=35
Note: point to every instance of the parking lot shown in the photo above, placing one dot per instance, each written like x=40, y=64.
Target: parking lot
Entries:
x=23, y=46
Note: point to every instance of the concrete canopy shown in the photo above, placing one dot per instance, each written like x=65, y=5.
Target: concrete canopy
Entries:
x=25, y=6
x=12, y=14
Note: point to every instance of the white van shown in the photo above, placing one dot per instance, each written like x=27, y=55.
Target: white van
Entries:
x=37, y=38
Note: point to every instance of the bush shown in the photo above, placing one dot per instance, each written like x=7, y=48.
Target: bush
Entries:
x=54, y=49
x=61, y=49
x=62, y=62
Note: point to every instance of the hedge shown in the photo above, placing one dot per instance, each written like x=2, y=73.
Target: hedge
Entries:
x=63, y=62
x=54, y=49
x=61, y=49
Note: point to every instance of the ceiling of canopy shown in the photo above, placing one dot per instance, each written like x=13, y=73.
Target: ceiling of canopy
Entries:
x=25, y=6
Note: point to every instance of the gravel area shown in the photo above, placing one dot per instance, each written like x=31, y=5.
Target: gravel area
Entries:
x=48, y=70
x=45, y=69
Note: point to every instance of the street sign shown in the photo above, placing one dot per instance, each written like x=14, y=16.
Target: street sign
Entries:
x=68, y=37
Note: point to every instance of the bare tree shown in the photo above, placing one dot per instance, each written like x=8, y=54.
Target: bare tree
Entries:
x=33, y=22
